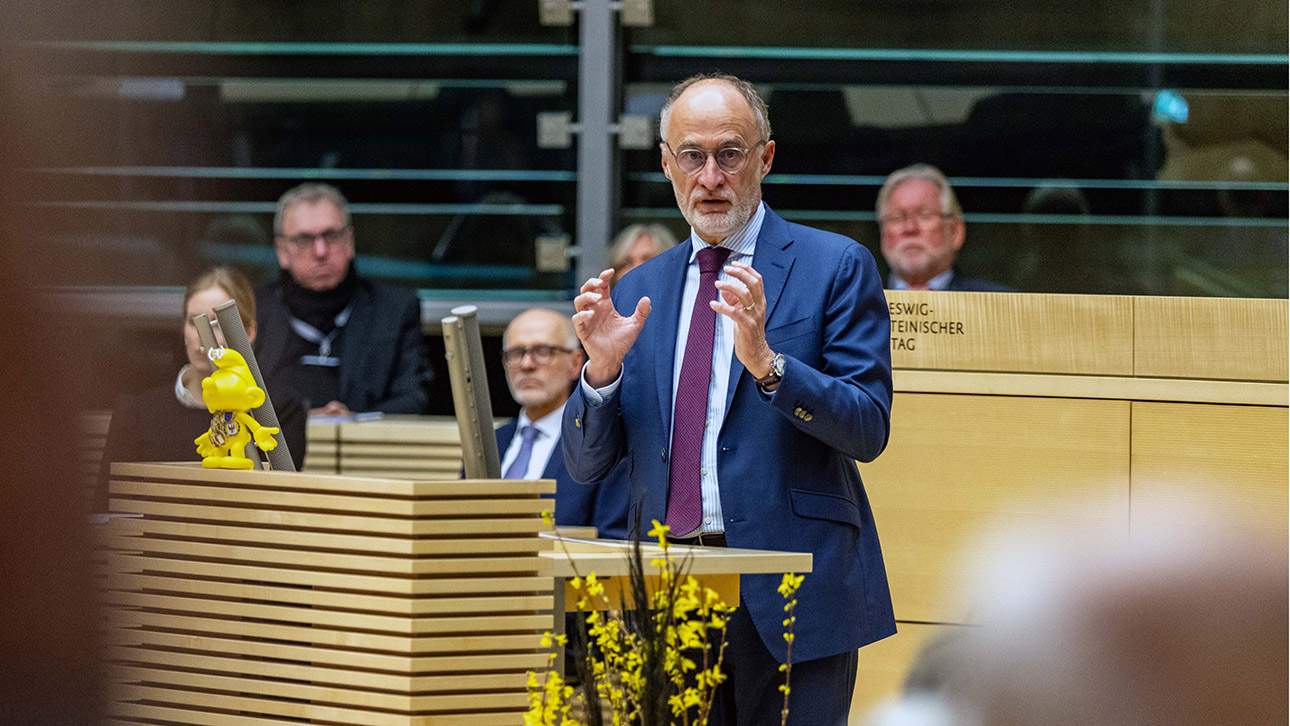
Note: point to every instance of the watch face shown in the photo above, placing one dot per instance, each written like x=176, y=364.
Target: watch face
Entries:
x=777, y=366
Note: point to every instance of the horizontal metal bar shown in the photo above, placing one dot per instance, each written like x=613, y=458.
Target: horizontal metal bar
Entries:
x=538, y=210
x=950, y=56
x=287, y=48
x=1007, y=182
x=828, y=215
x=150, y=307
x=227, y=172
x=437, y=273
x=261, y=172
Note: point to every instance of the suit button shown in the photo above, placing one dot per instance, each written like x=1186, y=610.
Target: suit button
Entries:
x=577, y=422
x=663, y=454
x=807, y=417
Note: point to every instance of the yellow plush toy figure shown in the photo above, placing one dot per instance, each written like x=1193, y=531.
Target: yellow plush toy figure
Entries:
x=229, y=392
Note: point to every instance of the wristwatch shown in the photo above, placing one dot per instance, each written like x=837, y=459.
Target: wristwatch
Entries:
x=776, y=372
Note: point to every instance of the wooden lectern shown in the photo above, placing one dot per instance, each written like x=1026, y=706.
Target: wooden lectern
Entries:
x=255, y=598
x=243, y=598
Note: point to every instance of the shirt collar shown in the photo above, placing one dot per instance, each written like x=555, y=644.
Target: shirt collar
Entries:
x=940, y=282
x=183, y=395
x=548, y=425
x=741, y=243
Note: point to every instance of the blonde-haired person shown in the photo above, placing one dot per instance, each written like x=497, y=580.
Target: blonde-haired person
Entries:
x=636, y=245
x=161, y=423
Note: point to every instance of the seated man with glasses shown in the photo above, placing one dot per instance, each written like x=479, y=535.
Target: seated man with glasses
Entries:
x=922, y=232
x=543, y=358
x=344, y=343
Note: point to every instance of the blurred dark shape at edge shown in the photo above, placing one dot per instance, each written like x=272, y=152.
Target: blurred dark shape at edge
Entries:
x=49, y=665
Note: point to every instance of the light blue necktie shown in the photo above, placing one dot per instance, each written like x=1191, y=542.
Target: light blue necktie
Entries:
x=520, y=466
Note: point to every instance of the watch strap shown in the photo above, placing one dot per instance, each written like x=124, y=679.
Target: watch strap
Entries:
x=776, y=372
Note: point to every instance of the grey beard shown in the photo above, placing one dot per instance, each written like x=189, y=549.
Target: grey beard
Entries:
x=738, y=216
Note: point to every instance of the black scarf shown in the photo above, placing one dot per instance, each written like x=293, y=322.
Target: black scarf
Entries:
x=318, y=308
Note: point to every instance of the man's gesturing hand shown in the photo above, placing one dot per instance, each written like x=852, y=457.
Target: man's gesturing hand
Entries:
x=606, y=335
x=744, y=301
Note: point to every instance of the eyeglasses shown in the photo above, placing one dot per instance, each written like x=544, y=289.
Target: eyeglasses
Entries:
x=924, y=217
x=542, y=354
x=332, y=237
x=730, y=159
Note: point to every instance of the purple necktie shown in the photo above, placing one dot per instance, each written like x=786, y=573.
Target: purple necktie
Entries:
x=520, y=466
x=690, y=412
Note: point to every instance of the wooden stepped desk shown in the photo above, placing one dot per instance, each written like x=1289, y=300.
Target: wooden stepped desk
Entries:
x=398, y=447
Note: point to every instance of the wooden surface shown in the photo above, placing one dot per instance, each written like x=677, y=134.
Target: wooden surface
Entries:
x=1211, y=338
x=1107, y=387
x=270, y=597
x=1039, y=431
x=399, y=447
x=1087, y=334
x=609, y=557
x=956, y=464
x=717, y=568
x=1231, y=458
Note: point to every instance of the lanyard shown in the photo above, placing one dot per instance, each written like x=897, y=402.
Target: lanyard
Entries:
x=314, y=335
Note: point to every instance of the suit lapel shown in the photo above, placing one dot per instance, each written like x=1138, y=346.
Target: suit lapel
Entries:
x=666, y=317
x=773, y=260
x=505, y=434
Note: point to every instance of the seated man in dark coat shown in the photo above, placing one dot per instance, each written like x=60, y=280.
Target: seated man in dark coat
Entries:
x=543, y=358
x=923, y=231
x=343, y=342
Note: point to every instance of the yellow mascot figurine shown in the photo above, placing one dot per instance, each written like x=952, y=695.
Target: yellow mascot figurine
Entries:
x=229, y=392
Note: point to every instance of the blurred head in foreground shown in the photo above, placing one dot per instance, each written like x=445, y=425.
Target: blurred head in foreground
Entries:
x=1185, y=623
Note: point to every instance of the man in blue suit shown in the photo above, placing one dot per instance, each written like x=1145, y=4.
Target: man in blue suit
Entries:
x=542, y=358
x=740, y=375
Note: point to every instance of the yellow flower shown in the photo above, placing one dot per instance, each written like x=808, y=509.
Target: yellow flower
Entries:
x=660, y=531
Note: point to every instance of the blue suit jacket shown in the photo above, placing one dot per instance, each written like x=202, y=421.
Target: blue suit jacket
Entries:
x=786, y=463
x=578, y=505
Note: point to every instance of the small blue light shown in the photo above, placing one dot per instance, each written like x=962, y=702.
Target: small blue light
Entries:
x=1169, y=107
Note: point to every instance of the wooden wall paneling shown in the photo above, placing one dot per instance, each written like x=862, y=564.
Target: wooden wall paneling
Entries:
x=1232, y=459
x=1211, y=338
x=1087, y=334
x=1072, y=386
x=955, y=464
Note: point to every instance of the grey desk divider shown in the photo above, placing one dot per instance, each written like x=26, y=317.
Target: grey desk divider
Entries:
x=230, y=322
x=465, y=354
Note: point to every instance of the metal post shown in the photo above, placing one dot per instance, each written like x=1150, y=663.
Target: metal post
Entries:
x=597, y=168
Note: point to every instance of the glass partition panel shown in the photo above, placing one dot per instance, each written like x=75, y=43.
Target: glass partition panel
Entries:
x=1089, y=161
